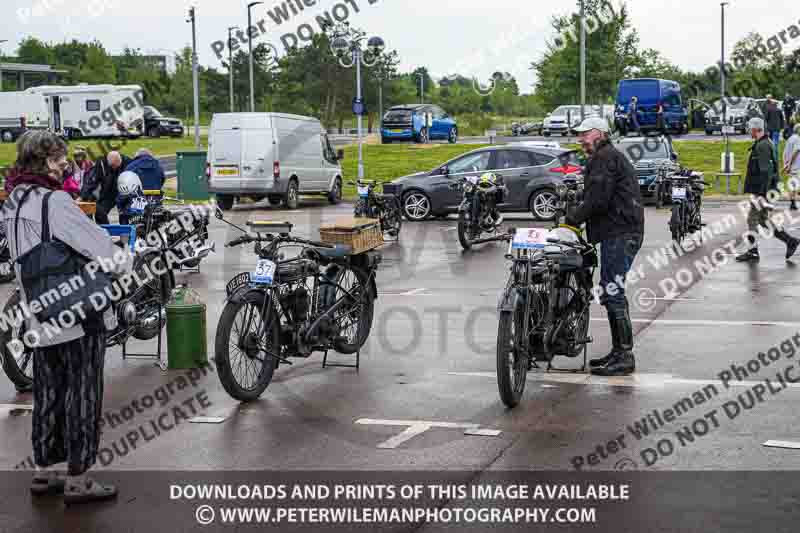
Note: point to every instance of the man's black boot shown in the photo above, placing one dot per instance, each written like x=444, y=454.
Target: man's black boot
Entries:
x=603, y=361
x=622, y=362
x=790, y=242
x=750, y=256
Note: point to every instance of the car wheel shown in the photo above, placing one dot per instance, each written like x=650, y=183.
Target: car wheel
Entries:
x=154, y=132
x=7, y=137
x=423, y=136
x=452, y=137
x=547, y=134
x=710, y=133
x=335, y=196
x=416, y=206
x=225, y=202
x=543, y=204
x=292, y=197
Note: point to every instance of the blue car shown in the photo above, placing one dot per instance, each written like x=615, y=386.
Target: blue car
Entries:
x=654, y=95
x=420, y=123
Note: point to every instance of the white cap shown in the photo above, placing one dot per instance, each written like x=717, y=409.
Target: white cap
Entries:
x=593, y=123
x=756, y=124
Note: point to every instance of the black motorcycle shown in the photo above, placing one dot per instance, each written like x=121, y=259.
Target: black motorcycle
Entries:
x=320, y=300
x=385, y=207
x=687, y=188
x=478, y=214
x=544, y=309
x=6, y=264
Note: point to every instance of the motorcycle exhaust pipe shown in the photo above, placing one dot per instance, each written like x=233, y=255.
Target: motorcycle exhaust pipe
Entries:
x=199, y=254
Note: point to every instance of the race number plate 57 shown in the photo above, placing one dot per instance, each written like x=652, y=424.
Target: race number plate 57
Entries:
x=363, y=191
x=679, y=193
x=530, y=239
x=265, y=272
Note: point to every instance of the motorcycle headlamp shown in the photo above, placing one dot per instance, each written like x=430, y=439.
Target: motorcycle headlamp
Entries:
x=468, y=187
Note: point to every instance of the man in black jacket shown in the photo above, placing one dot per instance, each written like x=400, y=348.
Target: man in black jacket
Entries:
x=102, y=184
x=774, y=118
x=614, y=214
x=762, y=177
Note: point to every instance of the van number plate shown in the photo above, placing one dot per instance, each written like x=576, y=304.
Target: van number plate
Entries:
x=227, y=171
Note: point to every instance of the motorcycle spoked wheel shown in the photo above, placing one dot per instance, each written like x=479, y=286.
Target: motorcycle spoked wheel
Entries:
x=512, y=360
x=677, y=224
x=392, y=221
x=354, y=321
x=6, y=264
x=17, y=366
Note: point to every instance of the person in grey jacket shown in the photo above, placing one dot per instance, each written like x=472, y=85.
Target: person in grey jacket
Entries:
x=67, y=361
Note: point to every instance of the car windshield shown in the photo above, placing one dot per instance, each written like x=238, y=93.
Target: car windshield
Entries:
x=643, y=150
x=564, y=109
x=739, y=104
x=398, y=115
x=151, y=111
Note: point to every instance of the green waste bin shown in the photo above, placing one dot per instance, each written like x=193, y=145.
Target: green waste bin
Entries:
x=186, y=331
x=192, y=179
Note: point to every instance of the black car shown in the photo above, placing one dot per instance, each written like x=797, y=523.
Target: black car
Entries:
x=530, y=170
x=157, y=125
x=652, y=158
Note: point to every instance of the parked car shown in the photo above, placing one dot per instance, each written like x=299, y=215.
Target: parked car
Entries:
x=652, y=157
x=652, y=93
x=156, y=124
x=272, y=155
x=419, y=123
x=738, y=112
x=530, y=171
x=563, y=120
x=526, y=128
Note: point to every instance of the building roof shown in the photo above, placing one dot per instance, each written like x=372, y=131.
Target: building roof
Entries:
x=29, y=68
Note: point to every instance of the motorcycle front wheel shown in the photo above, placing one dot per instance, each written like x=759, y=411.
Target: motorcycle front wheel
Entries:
x=246, y=346
x=464, y=230
x=512, y=364
x=676, y=223
x=354, y=320
x=17, y=358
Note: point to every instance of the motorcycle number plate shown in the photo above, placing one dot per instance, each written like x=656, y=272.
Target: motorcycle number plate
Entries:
x=679, y=193
x=363, y=191
x=239, y=281
x=265, y=272
x=138, y=205
x=530, y=239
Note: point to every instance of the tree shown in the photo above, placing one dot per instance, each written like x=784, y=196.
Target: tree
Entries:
x=98, y=68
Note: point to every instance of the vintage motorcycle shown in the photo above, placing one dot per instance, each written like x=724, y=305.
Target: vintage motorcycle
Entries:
x=320, y=300
x=478, y=214
x=385, y=207
x=687, y=188
x=544, y=309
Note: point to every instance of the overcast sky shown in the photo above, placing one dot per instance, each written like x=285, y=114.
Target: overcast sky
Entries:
x=474, y=37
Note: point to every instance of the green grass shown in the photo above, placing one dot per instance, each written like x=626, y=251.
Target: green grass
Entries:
x=96, y=147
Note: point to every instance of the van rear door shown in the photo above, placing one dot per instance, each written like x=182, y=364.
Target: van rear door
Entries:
x=257, y=161
x=226, y=153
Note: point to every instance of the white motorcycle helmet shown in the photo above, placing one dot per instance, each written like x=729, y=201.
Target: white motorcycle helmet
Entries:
x=129, y=184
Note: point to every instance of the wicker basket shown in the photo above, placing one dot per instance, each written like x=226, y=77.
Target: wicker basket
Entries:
x=359, y=234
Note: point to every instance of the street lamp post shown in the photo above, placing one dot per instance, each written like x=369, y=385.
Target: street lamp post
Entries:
x=346, y=42
x=722, y=93
x=230, y=62
x=583, y=59
x=250, y=46
x=421, y=77
x=195, y=80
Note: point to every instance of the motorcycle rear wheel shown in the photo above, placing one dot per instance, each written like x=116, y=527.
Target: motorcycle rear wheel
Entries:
x=18, y=367
x=464, y=231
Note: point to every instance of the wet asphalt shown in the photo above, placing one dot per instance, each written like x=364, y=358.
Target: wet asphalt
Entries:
x=430, y=361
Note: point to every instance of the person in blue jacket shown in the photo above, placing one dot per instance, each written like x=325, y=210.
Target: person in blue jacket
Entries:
x=149, y=170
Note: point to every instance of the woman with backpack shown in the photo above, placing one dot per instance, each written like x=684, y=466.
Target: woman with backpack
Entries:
x=68, y=361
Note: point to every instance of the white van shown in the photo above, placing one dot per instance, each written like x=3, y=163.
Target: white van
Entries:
x=273, y=155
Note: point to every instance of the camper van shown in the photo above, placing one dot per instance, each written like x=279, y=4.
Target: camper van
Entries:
x=93, y=110
x=271, y=155
x=20, y=111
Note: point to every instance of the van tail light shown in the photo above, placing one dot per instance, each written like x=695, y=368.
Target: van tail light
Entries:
x=208, y=170
x=276, y=169
x=567, y=169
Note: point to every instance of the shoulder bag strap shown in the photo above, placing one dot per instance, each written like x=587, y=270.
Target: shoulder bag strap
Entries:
x=16, y=218
x=46, y=217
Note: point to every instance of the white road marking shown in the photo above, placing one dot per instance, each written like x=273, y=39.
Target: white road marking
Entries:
x=635, y=380
x=418, y=427
x=207, y=420
x=674, y=299
x=13, y=406
x=483, y=432
x=413, y=292
x=732, y=323
x=782, y=444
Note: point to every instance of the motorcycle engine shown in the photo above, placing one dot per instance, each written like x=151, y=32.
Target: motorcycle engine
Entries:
x=297, y=303
x=126, y=313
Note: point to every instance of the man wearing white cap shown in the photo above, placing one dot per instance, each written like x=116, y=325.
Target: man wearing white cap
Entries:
x=614, y=216
x=762, y=176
